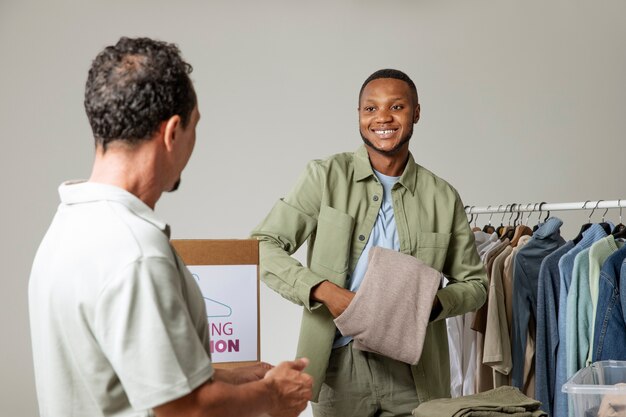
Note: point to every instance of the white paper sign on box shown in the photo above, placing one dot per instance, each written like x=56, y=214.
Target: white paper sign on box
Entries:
x=230, y=296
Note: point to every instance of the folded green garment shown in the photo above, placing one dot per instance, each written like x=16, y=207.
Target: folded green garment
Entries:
x=500, y=402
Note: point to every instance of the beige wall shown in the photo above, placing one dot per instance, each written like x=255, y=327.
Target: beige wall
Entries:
x=521, y=101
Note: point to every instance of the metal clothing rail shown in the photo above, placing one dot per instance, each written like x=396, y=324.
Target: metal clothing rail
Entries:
x=528, y=207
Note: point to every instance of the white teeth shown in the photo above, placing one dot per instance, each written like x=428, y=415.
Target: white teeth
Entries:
x=384, y=132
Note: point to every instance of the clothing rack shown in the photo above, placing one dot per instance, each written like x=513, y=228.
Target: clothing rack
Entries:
x=543, y=206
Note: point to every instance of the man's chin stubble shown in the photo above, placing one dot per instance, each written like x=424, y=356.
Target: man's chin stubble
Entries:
x=391, y=151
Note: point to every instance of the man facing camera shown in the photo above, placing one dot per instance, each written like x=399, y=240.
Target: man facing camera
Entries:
x=118, y=324
x=344, y=206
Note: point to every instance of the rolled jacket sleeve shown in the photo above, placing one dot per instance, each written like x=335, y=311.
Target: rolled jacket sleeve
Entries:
x=289, y=224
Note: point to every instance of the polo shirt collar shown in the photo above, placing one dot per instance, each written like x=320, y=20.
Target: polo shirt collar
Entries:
x=363, y=169
x=81, y=191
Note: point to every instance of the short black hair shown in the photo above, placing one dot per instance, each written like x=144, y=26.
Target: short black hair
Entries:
x=391, y=73
x=133, y=86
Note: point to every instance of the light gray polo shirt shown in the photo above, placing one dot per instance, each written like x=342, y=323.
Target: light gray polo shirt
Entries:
x=118, y=323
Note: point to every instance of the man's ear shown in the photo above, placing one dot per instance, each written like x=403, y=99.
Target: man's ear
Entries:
x=416, y=115
x=169, y=129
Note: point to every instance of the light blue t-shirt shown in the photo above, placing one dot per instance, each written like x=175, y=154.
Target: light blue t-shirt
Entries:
x=384, y=234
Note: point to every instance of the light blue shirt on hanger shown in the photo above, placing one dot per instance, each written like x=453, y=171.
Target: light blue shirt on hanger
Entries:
x=566, y=268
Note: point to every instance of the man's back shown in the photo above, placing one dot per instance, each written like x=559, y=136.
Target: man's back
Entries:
x=103, y=284
x=118, y=324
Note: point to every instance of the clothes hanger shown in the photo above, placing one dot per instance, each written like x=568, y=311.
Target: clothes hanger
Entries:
x=471, y=219
x=528, y=218
x=604, y=221
x=619, y=232
x=509, y=230
x=521, y=230
x=504, y=232
x=535, y=227
x=584, y=227
x=488, y=227
x=606, y=226
x=470, y=213
x=530, y=214
x=501, y=229
x=475, y=228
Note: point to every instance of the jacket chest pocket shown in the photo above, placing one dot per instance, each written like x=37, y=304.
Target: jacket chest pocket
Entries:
x=432, y=248
x=333, y=240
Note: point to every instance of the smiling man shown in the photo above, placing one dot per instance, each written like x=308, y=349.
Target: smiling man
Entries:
x=345, y=205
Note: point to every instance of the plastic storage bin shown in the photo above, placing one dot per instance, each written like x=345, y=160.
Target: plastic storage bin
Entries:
x=593, y=392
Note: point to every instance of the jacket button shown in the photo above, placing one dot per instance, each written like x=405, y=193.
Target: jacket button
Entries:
x=375, y=198
x=361, y=238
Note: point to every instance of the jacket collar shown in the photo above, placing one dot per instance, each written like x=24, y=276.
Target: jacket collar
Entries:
x=363, y=169
x=551, y=227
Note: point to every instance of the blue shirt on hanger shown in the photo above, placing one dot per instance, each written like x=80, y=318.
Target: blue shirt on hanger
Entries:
x=610, y=328
x=566, y=267
x=547, y=327
x=526, y=267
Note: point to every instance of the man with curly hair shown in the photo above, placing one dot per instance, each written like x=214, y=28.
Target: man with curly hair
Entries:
x=118, y=324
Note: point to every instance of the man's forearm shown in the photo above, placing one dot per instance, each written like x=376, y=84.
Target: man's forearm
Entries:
x=242, y=374
x=283, y=392
x=335, y=298
x=221, y=399
x=323, y=292
x=225, y=375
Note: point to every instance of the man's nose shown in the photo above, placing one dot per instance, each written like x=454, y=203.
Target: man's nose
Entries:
x=384, y=115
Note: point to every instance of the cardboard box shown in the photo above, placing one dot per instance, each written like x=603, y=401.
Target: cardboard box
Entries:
x=227, y=272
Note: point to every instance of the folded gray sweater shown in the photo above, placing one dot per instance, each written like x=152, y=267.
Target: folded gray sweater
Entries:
x=390, y=311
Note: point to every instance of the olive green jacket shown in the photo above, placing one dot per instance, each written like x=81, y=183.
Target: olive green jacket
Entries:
x=334, y=205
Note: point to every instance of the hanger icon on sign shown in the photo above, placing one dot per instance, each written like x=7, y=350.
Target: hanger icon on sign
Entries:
x=215, y=308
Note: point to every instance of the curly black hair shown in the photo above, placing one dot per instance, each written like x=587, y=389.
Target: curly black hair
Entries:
x=135, y=85
x=391, y=73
